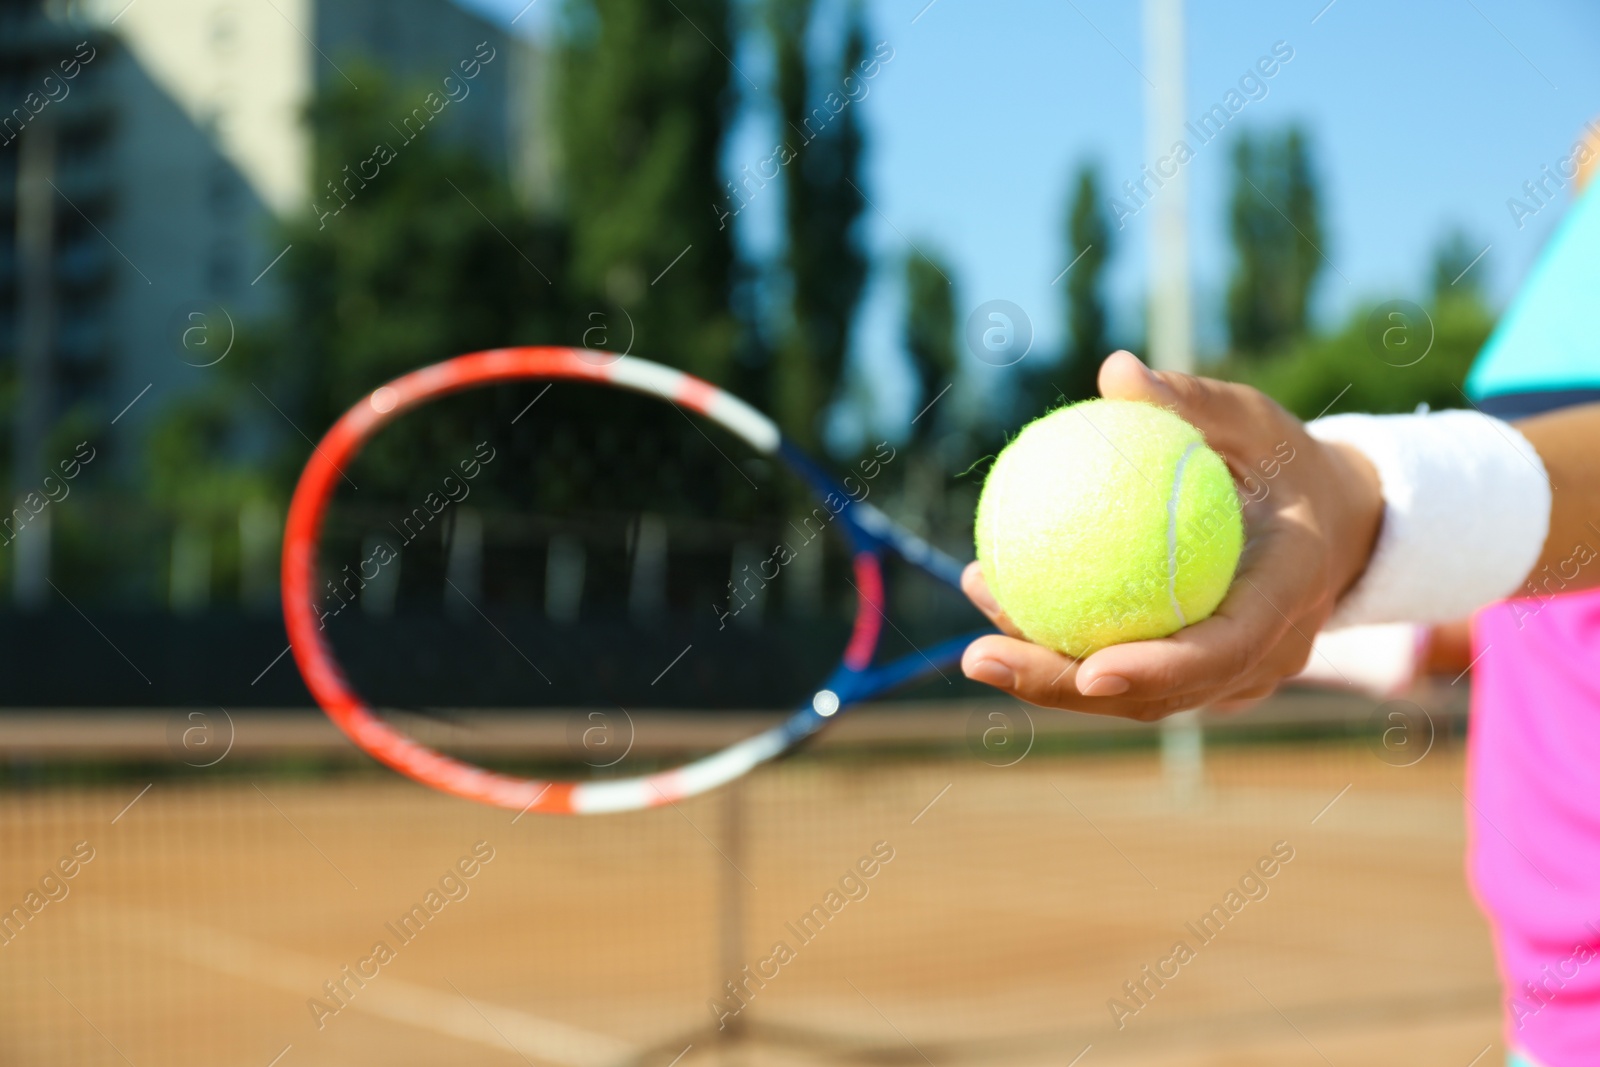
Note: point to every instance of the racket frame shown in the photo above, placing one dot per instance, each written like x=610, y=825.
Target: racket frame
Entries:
x=870, y=534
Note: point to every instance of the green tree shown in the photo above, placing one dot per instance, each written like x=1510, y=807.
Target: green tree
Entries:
x=824, y=260
x=395, y=264
x=644, y=106
x=431, y=258
x=412, y=250
x=198, y=485
x=1275, y=223
x=1361, y=366
x=1348, y=369
x=930, y=495
x=930, y=336
x=1455, y=272
x=435, y=258
x=1088, y=249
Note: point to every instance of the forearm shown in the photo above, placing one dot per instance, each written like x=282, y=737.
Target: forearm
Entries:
x=1447, y=649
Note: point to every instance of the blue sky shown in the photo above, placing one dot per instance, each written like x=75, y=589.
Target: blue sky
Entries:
x=1423, y=116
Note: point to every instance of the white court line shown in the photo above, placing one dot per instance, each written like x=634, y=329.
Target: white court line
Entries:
x=386, y=997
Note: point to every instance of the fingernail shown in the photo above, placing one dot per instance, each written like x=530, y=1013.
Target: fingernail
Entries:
x=1106, y=685
x=990, y=672
x=1148, y=373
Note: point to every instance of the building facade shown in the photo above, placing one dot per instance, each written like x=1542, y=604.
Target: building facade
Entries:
x=148, y=153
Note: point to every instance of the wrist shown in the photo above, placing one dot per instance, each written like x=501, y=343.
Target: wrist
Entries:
x=1358, y=516
x=1465, y=512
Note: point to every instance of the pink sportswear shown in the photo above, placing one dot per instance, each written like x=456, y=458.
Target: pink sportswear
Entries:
x=1533, y=816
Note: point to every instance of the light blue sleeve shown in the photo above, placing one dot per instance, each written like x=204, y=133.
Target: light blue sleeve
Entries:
x=1549, y=337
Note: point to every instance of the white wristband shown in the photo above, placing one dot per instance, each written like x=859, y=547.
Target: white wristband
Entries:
x=1466, y=508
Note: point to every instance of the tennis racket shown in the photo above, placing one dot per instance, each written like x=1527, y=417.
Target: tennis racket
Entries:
x=869, y=534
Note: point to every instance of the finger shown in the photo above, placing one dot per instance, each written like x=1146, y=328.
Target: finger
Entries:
x=1235, y=419
x=976, y=587
x=1040, y=676
x=1032, y=672
x=1249, y=695
x=1214, y=654
x=1292, y=653
x=1261, y=685
x=1278, y=666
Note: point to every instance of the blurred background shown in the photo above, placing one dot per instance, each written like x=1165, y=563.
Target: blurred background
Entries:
x=898, y=227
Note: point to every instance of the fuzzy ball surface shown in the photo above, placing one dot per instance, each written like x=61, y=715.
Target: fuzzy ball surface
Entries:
x=1108, y=521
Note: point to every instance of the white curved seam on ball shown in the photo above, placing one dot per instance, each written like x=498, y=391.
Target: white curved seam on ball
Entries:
x=1172, y=533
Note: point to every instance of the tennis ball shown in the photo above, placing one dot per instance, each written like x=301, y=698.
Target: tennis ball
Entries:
x=1108, y=521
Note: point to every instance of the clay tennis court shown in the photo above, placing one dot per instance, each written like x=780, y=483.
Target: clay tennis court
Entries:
x=1017, y=902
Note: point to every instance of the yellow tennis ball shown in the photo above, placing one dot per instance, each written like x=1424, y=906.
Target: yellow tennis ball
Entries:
x=1108, y=521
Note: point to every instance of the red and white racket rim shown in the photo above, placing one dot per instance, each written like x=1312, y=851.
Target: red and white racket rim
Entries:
x=325, y=678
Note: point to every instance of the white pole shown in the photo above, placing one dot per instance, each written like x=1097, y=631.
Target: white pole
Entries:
x=1171, y=326
x=730, y=915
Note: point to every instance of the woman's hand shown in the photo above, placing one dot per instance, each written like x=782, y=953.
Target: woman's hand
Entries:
x=1311, y=517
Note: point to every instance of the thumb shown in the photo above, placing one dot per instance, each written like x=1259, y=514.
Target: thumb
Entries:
x=1230, y=416
x=1123, y=376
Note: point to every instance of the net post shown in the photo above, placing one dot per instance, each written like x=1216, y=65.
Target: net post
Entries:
x=1183, y=756
x=730, y=903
